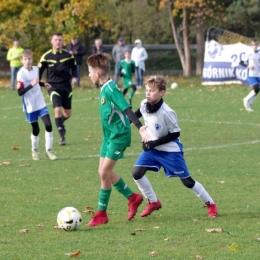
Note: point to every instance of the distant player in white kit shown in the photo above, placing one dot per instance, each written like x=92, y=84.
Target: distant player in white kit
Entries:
x=252, y=63
x=164, y=149
x=34, y=105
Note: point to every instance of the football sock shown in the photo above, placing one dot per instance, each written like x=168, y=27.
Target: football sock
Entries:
x=251, y=100
x=48, y=140
x=35, y=142
x=250, y=95
x=103, y=199
x=122, y=187
x=145, y=187
x=131, y=94
x=59, y=124
x=202, y=194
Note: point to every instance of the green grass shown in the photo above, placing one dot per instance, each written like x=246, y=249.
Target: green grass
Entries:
x=222, y=152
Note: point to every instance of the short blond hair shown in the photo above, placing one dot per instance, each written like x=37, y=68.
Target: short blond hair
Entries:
x=101, y=62
x=27, y=53
x=157, y=81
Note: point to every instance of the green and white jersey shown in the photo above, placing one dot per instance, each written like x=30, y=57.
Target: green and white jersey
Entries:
x=115, y=124
x=126, y=71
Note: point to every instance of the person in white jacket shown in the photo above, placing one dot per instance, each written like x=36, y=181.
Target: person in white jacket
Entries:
x=139, y=55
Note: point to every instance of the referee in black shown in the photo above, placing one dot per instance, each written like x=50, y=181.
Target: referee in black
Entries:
x=60, y=66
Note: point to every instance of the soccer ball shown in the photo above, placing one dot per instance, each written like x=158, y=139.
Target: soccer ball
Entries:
x=174, y=85
x=69, y=218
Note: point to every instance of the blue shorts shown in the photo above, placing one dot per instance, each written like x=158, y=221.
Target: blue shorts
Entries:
x=173, y=163
x=33, y=117
x=253, y=80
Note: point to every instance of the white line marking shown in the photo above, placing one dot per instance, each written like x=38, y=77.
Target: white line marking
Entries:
x=136, y=154
x=73, y=101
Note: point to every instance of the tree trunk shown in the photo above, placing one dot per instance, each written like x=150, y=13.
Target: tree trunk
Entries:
x=200, y=40
x=175, y=36
x=186, y=43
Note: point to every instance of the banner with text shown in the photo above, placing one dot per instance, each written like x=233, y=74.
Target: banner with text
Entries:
x=221, y=62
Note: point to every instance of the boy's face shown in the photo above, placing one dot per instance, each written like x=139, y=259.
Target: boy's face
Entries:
x=127, y=55
x=153, y=94
x=93, y=74
x=27, y=62
x=254, y=45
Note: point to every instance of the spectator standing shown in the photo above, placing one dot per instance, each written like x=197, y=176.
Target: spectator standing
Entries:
x=118, y=55
x=97, y=49
x=78, y=51
x=139, y=55
x=13, y=55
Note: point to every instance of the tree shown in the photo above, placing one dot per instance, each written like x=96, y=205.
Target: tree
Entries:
x=32, y=22
x=246, y=14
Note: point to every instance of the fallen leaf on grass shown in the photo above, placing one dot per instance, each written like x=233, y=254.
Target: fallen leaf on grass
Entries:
x=24, y=230
x=139, y=229
x=15, y=147
x=133, y=234
x=213, y=230
x=75, y=254
x=156, y=227
x=153, y=253
x=222, y=182
x=233, y=247
x=5, y=163
x=89, y=209
x=199, y=257
x=167, y=239
x=23, y=165
x=57, y=227
x=257, y=239
x=41, y=226
x=195, y=219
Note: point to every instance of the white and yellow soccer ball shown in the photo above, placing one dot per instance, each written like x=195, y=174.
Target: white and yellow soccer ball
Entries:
x=174, y=85
x=69, y=218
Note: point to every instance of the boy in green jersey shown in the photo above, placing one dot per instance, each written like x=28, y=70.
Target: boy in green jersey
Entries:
x=114, y=113
x=126, y=71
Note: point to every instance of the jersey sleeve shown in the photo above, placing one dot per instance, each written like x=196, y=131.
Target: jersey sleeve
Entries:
x=42, y=65
x=20, y=81
x=172, y=122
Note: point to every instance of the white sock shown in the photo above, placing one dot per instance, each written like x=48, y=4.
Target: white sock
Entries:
x=250, y=95
x=35, y=142
x=252, y=100
x=48, y=141
x=145, y=187
x=202, y=194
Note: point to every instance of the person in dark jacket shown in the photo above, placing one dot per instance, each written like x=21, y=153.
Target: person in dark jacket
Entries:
x=98, y=47
x=78, y=51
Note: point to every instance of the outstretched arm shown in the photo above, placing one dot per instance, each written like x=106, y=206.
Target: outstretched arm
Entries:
x=162, y=140
x=134, y=119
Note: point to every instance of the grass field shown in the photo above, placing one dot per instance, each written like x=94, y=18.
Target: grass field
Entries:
x=221, y=142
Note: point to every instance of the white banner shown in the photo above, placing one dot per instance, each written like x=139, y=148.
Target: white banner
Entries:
x=221, y=63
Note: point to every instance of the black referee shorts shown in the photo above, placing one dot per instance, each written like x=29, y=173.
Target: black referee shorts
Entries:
x=61, y=95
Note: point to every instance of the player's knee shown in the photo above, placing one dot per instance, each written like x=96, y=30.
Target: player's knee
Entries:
x=256, y=88
x=138, y=172
x=134, y=87
x=48, y=127
x=36, y=131
x=188, y=182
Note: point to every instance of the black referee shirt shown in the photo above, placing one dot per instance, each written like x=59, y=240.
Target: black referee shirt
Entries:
x=59, y=66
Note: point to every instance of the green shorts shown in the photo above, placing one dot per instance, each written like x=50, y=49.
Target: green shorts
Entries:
x=111, y=150
x=128, y=83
